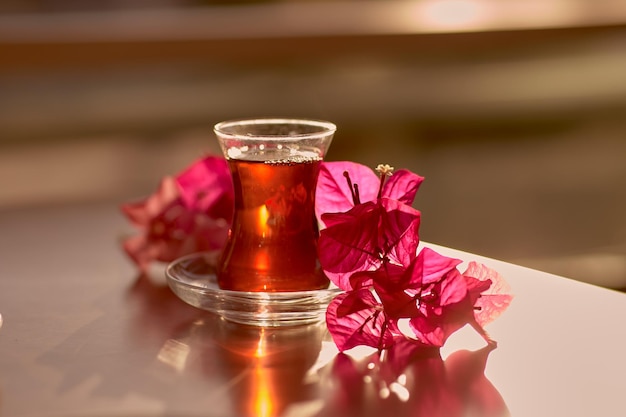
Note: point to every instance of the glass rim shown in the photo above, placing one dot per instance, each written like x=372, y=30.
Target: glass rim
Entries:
x=325, y=128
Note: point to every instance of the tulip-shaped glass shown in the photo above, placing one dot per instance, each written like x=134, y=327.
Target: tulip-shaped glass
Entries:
x=272, y=243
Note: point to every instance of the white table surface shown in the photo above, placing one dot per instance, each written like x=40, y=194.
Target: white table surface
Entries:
x=83, y=335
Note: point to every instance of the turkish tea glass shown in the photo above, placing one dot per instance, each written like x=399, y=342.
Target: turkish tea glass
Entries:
x=272, y=243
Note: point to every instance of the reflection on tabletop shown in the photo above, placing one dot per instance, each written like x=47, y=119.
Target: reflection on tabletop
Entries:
x=149, y=353
x=298, y=371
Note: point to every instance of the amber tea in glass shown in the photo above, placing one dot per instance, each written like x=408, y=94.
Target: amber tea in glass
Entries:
x=272, y=243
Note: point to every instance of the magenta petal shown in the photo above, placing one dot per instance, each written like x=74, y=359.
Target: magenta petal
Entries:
x=398, y=304
x=362, y=279
x=435, y=265
x=400, y=225
x=333, y=195
x=445, y=307
x=206, y=186
x=359, y=239
x=402, y=186
x=355, y=301
x=332, y=219
x=390, y=283
x=365, y=325
x=350, y=243
x=392, y=277
x=453, y=289
x=435, y=330
x=430, y=331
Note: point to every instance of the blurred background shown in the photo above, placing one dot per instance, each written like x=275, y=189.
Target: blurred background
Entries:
x=513, y=110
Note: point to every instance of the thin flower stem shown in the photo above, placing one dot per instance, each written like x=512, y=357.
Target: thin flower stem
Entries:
x=380, y=187
x=381, y=339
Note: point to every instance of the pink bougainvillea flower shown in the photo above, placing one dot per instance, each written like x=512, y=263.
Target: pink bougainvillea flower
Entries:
x=178, y=218
x=335, y=186
x=362, y=238
x=368, y=248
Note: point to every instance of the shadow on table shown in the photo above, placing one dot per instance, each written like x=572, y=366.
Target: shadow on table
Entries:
x=411, y=381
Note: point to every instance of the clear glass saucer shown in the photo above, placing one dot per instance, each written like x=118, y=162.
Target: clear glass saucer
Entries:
x=192, y=278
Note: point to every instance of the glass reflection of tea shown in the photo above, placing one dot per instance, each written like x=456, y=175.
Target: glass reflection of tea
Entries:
x=272, y=244
x=269, y=365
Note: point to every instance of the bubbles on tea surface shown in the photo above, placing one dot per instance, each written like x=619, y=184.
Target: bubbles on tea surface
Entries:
x=278, y=155
x=295, y=159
